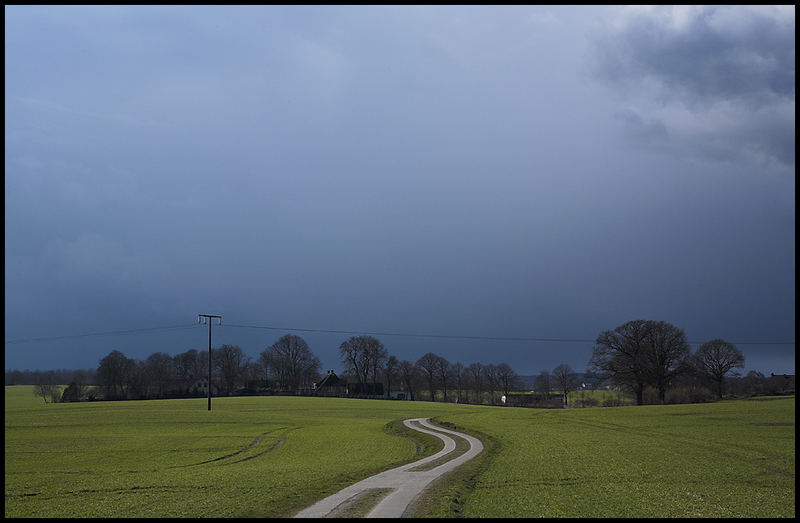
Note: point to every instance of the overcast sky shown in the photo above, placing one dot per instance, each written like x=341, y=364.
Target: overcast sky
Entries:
x=516, y=171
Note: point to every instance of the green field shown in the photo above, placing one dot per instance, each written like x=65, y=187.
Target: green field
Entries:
x=271, y=456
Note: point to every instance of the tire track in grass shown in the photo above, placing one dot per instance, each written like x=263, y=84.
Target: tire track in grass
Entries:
x=252, y=445
x=275, y=446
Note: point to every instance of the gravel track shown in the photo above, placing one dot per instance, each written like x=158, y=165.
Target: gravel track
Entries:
x=402, y=484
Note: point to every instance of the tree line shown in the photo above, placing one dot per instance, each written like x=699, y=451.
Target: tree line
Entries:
x=644, y=354
x=651, y=360
x=431, y=377
x=288, y=366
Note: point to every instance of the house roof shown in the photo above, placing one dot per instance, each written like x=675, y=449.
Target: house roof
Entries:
x=330, y=380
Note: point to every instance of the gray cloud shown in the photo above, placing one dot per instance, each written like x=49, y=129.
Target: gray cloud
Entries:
x=717, y=79
x=434, y=169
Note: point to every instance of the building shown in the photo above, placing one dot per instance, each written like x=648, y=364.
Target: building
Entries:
x=200, y=387
x=330, y=385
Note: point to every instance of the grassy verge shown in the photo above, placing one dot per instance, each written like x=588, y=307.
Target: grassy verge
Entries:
x=426, y=444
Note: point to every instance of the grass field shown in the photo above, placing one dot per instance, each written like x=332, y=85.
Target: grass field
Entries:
x=727, y=459
x=271, y=456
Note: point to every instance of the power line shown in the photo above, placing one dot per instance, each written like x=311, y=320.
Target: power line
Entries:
x=405, y=334
x=363, y=333
x=109, y=333
x=461, y=337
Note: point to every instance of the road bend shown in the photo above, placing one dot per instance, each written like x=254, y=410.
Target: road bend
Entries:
x=404, y=483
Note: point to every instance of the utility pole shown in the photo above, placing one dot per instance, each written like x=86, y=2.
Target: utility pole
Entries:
x=206, y=318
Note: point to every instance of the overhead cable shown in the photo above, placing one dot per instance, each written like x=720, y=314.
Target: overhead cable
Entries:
x=109, y=333
x=462, y=337
x=362, y=333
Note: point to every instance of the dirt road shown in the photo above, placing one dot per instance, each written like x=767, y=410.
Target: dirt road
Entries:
x=396, y=488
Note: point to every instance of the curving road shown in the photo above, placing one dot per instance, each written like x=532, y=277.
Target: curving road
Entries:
x=405, y=484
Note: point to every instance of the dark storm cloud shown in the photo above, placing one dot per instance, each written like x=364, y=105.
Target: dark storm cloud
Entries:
x=422, y=169
x=719, y=79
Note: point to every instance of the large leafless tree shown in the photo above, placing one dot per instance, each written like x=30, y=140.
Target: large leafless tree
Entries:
x=476, y=376
x=362, y=356
x=716, y=359
x=291, y=363
x=640, y=353
x=429, y=365
x=408, y=374
x=115, y=374
x=47, y=387
x=666, y=350
x=565, y=379
x=507, y=378
x=619, y=356
x=443, y=375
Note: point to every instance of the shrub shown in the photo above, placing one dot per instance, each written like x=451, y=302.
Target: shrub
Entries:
x=689, y=395
x=73, y=392
x=650, y=396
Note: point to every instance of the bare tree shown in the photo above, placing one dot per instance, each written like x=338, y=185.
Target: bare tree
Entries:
x=376, y=355
x=459, y=379
x=253, y=375
x=542, y=383
x=362, y=356
x=229, y=360
x=137, y=381
x=716, y=359
x=475, y=373
x=566, y=379
x=291, y=362
x=408, y=375
x=443, y=374
x=189, y=368
x=619, y=356
x=160, y=371
x=391, y=373
x=507, y=378
x=429, y=365
x=115, y=374
x=490, y=375
x=47, y=387
x=667, y=349
x=351, y=353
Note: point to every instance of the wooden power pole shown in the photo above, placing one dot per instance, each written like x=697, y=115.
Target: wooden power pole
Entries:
x=206, y=318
